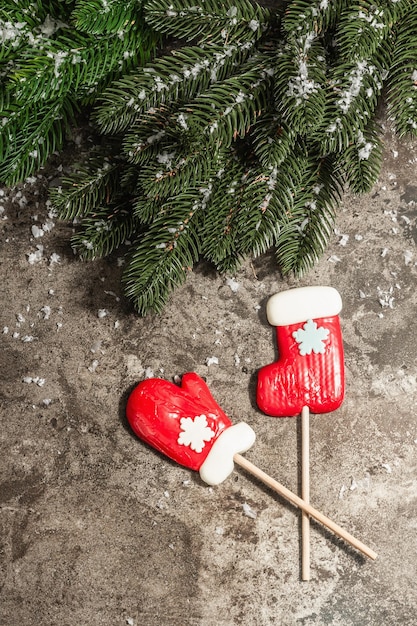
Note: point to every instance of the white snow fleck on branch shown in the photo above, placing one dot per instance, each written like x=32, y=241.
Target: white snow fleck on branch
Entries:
x=182, y=121
x=365, y=147
x=12, y=32
x=50, y=26
x=58, y=58
x=357, y=77
x=301, y=86
x=365, y=151
x=372, y=18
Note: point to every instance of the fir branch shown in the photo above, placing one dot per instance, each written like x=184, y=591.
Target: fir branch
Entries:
x=87, y=188
x=208, y=20
x=356, y=88
x=105, y=230
x=312, y=16
x=143, y=141
x=272, y=139
x=218, y=231
x=172, y=172
x=74, y=63
x=301, y=83
x=29, y=135
x=146, y=208
x=165, y=254
x=228, y=109
x=49, y=72
x=267, y=197
x=225, y=148
x=48, y=69
x=173, y=78
x=306, y=229
x=402, y=81
x=361, y=162
x=103, y=17
x=363, y=27
x=21, y=27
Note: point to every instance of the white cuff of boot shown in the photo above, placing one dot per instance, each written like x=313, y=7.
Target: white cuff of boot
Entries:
x=302, y=304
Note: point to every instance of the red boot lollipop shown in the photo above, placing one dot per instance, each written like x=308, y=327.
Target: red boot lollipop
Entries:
x=310, y=369
x=309, y=374
x=188, y=426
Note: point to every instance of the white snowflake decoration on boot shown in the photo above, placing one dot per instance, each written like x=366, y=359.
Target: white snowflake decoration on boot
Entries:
x=195, y=432
x=311, y=338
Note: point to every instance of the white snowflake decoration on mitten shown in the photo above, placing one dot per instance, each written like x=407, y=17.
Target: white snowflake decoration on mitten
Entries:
x=311, y=338
x=195, y=432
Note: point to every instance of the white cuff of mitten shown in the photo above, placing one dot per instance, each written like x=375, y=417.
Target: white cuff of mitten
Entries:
x=219, y=464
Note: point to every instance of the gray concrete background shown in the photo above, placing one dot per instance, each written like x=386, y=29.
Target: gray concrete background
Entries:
x=98, y=529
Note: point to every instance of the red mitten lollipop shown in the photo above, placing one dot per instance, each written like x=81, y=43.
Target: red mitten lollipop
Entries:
x=188, y=426
x=309, y=373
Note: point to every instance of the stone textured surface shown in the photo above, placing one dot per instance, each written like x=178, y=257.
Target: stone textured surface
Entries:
x=98, y=529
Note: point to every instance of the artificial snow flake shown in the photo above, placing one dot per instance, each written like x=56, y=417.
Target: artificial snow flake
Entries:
x=28, y=338
x=311, y=338
x=35, y=257
x=248, y=511
x=233, y=284
x=46, y=312
x=408, y=256
x=54, y=258
x=36, y=231
x=36, y=379
x=357, y=77
x=195, y=432
x=385, y=297
x=93, y=366
x=365, y=151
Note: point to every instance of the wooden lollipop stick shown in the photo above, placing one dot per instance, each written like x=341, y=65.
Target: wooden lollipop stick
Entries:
x=307, y=508
x=305, y=492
